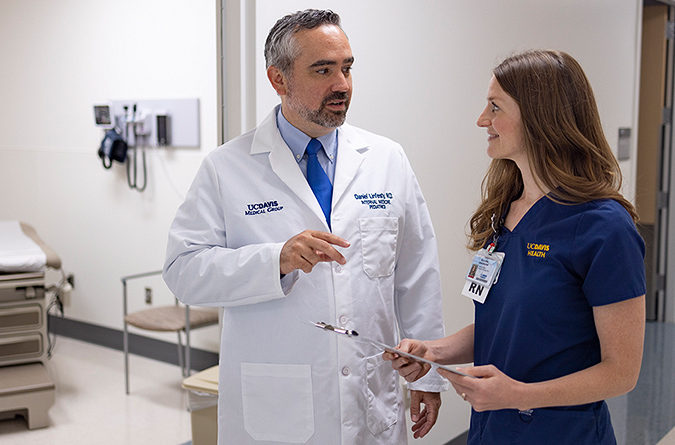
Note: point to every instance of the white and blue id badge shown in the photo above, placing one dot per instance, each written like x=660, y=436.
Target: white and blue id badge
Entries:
x=483, y=273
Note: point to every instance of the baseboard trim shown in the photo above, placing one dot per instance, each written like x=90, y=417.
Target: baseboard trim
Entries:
x=163, y=351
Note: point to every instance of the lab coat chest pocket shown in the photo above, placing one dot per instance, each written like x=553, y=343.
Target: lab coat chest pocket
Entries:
x=378, y=245
x=277, y=402
x=382, y=393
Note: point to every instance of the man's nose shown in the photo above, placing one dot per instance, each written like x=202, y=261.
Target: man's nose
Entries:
x=342, y=82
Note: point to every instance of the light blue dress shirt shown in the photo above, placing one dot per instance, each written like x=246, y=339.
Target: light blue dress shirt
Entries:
x=297, y=142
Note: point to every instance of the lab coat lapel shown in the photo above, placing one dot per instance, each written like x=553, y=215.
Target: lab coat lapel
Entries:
x=349, y=159
x=268, y=139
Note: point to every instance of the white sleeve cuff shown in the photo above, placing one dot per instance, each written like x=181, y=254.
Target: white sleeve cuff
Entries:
x=288, y=281
x=432, y=382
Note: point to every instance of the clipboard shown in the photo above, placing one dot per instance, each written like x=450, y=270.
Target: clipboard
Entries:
x=348, y=333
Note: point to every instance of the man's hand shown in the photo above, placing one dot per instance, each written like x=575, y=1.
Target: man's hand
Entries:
x=407, y=368
x=308, y=248
x=425, y=420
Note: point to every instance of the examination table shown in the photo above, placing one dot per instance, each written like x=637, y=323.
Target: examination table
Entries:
x=25, y=385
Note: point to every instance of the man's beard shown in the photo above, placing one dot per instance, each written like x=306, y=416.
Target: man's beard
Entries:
x=322, y=116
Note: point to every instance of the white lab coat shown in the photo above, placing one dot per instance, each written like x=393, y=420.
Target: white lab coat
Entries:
x=281, y=380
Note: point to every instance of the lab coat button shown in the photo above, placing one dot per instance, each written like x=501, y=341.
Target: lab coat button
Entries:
x=346, y=371
x=338, y=269
x=343, y=320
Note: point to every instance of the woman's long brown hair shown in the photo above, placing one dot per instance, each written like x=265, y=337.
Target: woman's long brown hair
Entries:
x=565, y=145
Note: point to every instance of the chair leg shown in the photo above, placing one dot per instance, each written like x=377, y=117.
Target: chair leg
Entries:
x=187, y=341
x=187, y=355
x=126, y=357
x=181, y=362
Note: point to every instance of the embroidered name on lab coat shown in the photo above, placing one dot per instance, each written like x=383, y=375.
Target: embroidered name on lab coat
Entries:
x=537, y=250
x=262, y=207
x=376, y=200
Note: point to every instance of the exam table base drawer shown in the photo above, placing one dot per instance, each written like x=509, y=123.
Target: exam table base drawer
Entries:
x=22, y=293
x=20, y=317
x=23, y=332
x=24, y=348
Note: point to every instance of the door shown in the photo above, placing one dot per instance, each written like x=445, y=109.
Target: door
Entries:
x=655, y=152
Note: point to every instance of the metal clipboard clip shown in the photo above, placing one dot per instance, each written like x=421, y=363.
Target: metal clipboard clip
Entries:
x=382, y=347
x=337, y=330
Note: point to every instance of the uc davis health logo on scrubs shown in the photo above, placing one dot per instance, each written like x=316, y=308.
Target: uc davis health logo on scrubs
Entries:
x=262, y=207
x=537, y=250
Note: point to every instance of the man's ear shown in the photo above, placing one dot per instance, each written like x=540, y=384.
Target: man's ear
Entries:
x=278, y=80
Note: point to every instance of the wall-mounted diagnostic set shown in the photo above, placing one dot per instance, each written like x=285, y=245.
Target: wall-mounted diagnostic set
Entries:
x=131, y=126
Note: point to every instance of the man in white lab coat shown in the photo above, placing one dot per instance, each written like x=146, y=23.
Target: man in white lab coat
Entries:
x=252, y=237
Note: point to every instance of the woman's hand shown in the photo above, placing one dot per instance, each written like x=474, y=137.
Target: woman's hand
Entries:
x=494, y=390
x=620, y=328
x=407, y=368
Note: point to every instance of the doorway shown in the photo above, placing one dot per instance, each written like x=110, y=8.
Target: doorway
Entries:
x=654, y=156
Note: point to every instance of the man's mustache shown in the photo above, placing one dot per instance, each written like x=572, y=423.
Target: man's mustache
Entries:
x=338, y=95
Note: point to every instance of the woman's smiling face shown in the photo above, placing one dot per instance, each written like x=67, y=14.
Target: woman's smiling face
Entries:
x=501, y=117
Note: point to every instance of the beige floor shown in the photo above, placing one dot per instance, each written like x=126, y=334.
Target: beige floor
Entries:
x=91, y=407
x=669, y=439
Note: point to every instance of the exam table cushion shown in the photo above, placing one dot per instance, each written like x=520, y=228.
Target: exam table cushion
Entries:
x=22, y=249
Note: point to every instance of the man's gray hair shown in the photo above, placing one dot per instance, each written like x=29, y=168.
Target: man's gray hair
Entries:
x=281, y=48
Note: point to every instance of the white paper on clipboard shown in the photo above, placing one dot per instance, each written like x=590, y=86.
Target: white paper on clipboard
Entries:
x=381, y=346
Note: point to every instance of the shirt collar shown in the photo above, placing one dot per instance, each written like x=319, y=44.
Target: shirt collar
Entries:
x=297, y=140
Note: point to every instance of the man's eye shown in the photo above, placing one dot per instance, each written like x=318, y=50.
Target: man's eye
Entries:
x=347, y=69
x=322, y=71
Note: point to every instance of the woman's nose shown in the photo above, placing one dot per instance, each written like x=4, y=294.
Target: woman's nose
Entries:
x=483, y=119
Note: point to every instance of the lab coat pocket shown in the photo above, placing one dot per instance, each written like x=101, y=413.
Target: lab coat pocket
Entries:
x=277, y=402
x=382, y=396
x=378, y=245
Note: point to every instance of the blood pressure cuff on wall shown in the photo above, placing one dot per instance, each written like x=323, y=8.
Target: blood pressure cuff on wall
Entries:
x=113, y=148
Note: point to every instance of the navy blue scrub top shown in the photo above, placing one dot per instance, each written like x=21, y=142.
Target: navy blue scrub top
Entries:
x=537, y=321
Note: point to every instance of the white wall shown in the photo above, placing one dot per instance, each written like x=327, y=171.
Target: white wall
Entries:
x=60, y=57
x=420, y=77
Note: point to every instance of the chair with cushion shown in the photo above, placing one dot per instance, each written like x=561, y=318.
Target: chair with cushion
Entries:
x=173, y=318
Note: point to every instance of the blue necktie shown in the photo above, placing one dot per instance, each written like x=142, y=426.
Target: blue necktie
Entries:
x=318, y=179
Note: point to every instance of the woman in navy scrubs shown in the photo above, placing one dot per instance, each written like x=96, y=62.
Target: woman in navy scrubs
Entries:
x=562, y=329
